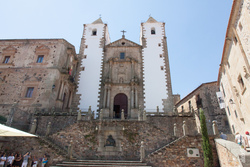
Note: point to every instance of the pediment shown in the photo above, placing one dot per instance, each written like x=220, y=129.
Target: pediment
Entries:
x=9, y=50
x=122, y=42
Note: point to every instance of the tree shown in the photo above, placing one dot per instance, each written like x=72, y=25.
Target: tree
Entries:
x=207, y=149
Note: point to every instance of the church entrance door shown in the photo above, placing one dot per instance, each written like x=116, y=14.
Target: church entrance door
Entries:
x=120, y=102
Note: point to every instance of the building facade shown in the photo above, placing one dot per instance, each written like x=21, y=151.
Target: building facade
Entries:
x=122, y=74
x=36, y=75
x=234, y=72
x=204, y=97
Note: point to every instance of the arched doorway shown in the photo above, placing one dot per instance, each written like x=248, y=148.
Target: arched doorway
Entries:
x=120, y=102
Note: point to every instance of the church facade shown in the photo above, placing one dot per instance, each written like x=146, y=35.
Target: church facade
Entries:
x=123, y=77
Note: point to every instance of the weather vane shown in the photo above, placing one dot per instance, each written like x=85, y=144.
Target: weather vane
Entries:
x=100, y=15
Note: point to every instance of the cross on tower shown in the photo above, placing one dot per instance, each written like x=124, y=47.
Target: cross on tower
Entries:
x=123, y=36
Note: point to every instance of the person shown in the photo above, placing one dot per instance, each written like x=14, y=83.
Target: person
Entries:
x=247, y=141
x=223, y=136
x=239, y=139
x=10, y=160
x=35, y=161
x=25, y=159
x=3, y=160
x=18, y=160
x=45, y=160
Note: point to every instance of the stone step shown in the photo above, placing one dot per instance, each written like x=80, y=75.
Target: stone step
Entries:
x=104, y=163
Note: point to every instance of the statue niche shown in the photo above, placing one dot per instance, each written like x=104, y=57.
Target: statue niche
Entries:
x=110, y=141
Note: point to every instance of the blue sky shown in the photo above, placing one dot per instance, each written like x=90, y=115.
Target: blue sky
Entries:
x=195, y=29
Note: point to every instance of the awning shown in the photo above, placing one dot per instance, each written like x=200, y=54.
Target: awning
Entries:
x=7, y=131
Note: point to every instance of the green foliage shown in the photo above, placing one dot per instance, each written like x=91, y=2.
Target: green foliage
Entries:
x=207, y=149
x=3, y=119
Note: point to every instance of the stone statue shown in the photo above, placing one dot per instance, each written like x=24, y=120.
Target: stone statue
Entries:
x=110, y=141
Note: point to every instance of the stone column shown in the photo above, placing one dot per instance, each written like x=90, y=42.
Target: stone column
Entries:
x=215, y=128
x=139, y=115
x=132, y=69
x=142, y=151
x=175, y=130
x=136, y=98
x=132, y=98
x=48, y=129
x=108, y=100
x=33, y=127
x=122, y=116
x=184, y=127
x=157, y=110
x=101, y=115
x=79, y=116
x=70, y=150
x=144, y=118
x=89, y=113
x=110, y=70
x=104, y=98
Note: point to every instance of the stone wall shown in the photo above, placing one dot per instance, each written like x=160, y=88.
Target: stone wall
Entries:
x=175, y=154
x=156, y=132
x=58, y=123
x=205, y=97
x=51, y=79
x=226, y=157
x=33, y=145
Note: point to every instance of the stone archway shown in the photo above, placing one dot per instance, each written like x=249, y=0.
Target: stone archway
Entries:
x=120, y=102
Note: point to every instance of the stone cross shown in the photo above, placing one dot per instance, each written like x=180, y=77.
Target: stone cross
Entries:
x=215, y=128
x=123, y=36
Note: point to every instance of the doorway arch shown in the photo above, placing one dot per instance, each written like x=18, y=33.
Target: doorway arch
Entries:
x=120, y=102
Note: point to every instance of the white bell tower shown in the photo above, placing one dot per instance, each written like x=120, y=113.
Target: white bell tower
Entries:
x=157, y=80
x=95, y=37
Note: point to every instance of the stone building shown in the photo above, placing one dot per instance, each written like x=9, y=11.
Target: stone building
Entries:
x=122, y=74
x=234, y=72
x=204, y=97
x=36, y=75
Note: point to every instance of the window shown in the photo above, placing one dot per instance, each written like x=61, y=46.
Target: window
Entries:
x=159, y=44
x=233, y=128
x=235, y=40
x=83, y=68
x=123, y=43
x=85, y=56
x=241, y=83
x=6, y=59
x=94, y=32
x=240, y=26
x=29, y=92
x=162, y=68
x=228, y=111
x=236, y=115
x=122, y=55
x=160, y=55
x=153, y=31
x=223, y=90
x=40, y=59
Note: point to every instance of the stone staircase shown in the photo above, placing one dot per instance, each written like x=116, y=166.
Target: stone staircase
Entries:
x=103, y=163
x=59, y=149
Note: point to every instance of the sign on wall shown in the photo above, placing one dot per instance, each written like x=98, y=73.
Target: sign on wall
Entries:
x=221, y=100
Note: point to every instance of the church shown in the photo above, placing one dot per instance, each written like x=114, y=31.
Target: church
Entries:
x=123, y=76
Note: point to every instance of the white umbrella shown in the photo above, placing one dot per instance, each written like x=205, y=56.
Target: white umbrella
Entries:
x=12, y=132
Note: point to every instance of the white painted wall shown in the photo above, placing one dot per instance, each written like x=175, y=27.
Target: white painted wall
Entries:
x=154, y=77
x=90, y=77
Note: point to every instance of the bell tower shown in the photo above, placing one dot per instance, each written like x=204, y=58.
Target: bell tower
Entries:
x=95, y=37
x=157, y=80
